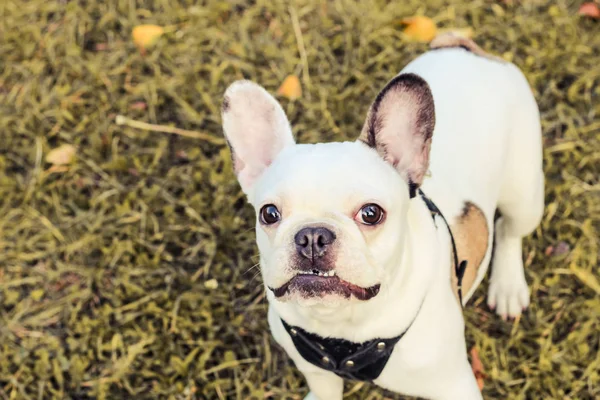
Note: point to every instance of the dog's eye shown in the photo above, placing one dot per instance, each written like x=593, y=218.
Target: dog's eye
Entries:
x=269, y=214
x=370, y=214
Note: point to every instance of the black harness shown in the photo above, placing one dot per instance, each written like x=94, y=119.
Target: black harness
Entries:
x=361, y=361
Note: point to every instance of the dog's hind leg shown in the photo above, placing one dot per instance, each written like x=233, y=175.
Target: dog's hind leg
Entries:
x=521, y=205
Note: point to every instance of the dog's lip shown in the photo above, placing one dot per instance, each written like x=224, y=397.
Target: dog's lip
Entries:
x=315, y=285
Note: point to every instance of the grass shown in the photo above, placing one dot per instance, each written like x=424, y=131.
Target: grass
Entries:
x=129, y=275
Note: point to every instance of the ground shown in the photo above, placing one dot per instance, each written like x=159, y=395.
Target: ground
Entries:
x=128, y=273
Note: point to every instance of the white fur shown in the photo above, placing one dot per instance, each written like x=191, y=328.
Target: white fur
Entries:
x=486, y=149
x=256, y=127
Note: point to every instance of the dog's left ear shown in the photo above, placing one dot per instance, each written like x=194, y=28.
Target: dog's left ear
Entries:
x=400, y=125
x=256, y=129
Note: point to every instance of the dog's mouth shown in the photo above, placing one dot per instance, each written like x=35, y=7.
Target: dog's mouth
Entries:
x=318, y=284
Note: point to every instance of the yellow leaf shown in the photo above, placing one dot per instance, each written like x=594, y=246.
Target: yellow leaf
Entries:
x=61, y=155
x=420, y=28
x=466, y=33
x=290, y=87
x=145, y=36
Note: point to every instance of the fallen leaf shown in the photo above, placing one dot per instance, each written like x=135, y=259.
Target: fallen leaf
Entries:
x=590, y=10
x=62, y=155
x=477, y=367
x=145, y=36
x=290, y=87
x=419, y=28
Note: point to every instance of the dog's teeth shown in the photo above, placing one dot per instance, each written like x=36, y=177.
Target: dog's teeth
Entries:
x=331, y=273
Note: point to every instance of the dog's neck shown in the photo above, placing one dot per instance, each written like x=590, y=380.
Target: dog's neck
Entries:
x=424, y=261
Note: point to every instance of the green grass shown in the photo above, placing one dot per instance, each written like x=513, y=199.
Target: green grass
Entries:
x=104, y=267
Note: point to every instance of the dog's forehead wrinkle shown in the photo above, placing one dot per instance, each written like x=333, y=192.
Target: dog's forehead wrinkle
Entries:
x=328, y=175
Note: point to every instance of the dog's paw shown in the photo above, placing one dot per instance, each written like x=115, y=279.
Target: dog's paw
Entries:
x=508, y=293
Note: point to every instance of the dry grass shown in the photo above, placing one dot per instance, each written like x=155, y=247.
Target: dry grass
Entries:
x=104, y=267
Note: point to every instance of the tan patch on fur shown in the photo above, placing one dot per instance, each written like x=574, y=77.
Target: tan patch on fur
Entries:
x=451, y=39
x=471, y=235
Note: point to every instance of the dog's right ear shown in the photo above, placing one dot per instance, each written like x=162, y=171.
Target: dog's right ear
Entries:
x=256, y=129
x=400, y=126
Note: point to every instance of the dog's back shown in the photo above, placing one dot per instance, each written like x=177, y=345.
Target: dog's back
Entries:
x=486, y=153
x=480, y=140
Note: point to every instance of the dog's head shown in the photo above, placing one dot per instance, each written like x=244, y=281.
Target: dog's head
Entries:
x=330, y=216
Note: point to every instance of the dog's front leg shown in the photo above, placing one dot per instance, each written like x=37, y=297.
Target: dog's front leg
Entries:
x=324, y=385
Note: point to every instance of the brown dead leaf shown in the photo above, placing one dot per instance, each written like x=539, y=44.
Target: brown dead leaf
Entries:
x=419, y=28
x=62, y=155
x=145, y=36
x=477, y=367
x=290, y=87
x=590, y=9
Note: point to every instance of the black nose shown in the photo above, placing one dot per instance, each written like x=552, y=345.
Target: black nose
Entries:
x=313, y=242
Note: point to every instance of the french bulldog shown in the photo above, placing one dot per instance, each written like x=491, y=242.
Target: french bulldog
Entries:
x=369, y=249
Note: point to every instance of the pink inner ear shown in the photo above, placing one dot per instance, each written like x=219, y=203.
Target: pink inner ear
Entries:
x=256, y=129
x=420, y=163
x=404, y=147
x=400, y=125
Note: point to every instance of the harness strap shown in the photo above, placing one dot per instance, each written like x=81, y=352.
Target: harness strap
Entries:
x=459, y=268
x=349, y=360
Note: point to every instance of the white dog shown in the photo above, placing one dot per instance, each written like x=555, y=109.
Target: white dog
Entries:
x=368, y=249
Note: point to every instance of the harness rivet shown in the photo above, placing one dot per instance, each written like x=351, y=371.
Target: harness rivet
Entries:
x=349, y=364
x=381, y=346
x=325, y=360
x=293, y=332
